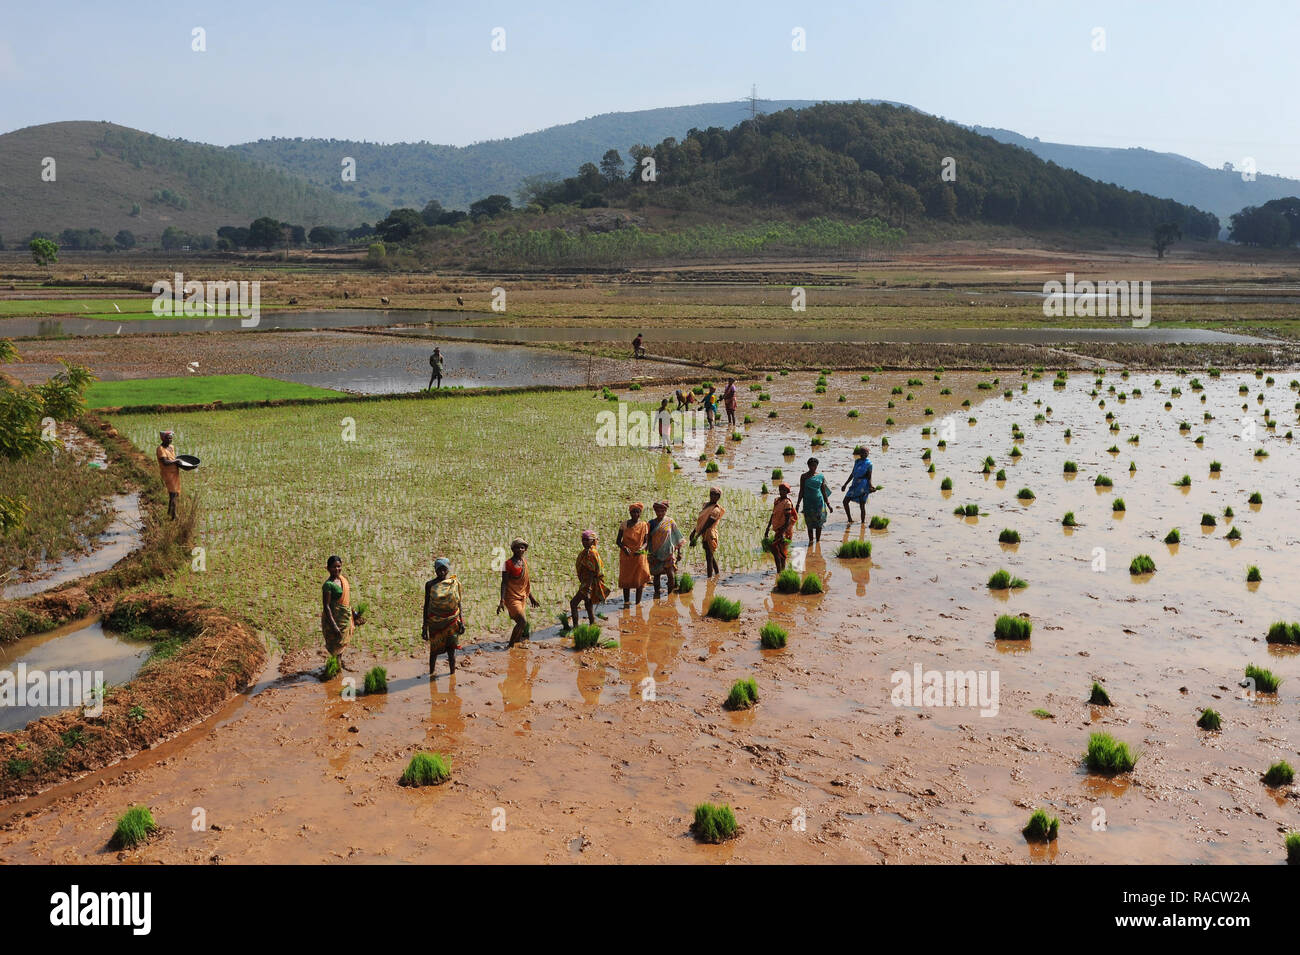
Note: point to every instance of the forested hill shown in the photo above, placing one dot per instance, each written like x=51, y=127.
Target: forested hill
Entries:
x=862, y=159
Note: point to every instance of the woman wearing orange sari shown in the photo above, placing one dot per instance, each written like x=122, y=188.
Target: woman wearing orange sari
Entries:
x=633, y=559
x=706, y=530
x=516, y=590
x=782, y=524
x=592, y=588
x=665, y=547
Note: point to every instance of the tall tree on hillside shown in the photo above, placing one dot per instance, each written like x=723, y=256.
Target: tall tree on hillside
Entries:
x=1165, y=235
x=264, y=233
x=489, y=207
x=432, y=212
x=611, y=166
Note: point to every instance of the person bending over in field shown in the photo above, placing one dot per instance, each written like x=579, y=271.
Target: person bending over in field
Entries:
x=633, y=562
x=638, y=349
x=815, y=497
x=170, y=470
x=706, y=530
x=435, y=368
x=782, y=523
x=665, y=547
x=444, y=621
x=859, y=484
x=516, y=590
x=336, y=609
x=592, y=588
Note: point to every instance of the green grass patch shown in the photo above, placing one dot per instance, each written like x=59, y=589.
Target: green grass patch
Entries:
x=787, y=581
x=1209, y=720
x=743, y=694
x=714, y=824
x=585, y=635
x=772, y=637
x=1008, y=536
x=852, y=550
x=1003, y=580
x=1008, y=627
x=812, y=584
x=133, y=827
x=199, y=390
x=376, y=680
x=1266, y=681
x=1279, y=774
x=1108, y=755
x=426, y=769
x=1098, y=696
x=721, y=608
x=1142, y=564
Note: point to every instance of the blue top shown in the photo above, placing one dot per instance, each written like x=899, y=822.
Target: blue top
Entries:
x=861, y=478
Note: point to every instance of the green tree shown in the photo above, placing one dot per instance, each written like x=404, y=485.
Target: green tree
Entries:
x=489, y=207
x=125, y=239
x=44, y=251
x=264, y=233
x=1165, y=235
x=611, y=166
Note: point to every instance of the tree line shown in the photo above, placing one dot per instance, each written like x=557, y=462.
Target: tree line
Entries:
x=1275, y=224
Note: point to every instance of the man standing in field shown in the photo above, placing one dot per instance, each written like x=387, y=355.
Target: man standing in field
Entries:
x=435, y=368
x=170, y=470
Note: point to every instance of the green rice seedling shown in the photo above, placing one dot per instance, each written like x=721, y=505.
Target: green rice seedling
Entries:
x=721, y=608
x=925, y=455
x=772, y=637
x=928, y=411
x=777, y=474
x=820, y=389
x=989, y=462
x=711, y=467
x=743, y=694
x=822, y=381
x=818, y=442
x=1234, y=534
x=1041, y=827
x=133, y=827
x=1000, y=476
x=1068, y=433
x=1255, y=498
x=853, y=550
x=1216, y=467
x=722, y=449
x=714, y=824
x=1040, y=418
x=787, y=581
x=1002, y=580
x=1068, y=520
x=853, y=412
x=1015, y=451
x=332, y=668
x=737, y=436
x=1208, y=520
x=1108, y=755
x=945, y=484
x=1117, y=505
x=376, y=680
x=585, y=635
x=812, y=584
x=1265, y=680
x=1209, y=720
x=1227, y=512
x=1009, y=536
x=843, y=398
x=865, y=378
x=1025, y=494
x=1285, y=633
x=1261, y=453
x=896, y=390
x=1007, y=627
x=1043, y=714
x=884, y=444
x=967, y=510
x=1132, y=466
x=1141, y=564
x=889, y=422
x=1292, y=843
x=1173, y=537
x=1253, y=576
x=945, y=391
x=1184, y=481
x=685, y=583
x=562, y=619
x=426, y=769
x=984, y=386
x=773, y=414
x=1279, y=774
x=806, y=406
x=878, y=523
x=1102, y=481
x=1071, y=467
x=1098, y=696
x=930, y=469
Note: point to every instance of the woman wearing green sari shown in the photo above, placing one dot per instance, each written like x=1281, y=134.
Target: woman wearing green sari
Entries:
x=815, y=497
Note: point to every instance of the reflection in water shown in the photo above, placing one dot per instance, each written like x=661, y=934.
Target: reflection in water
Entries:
x=591, y=678
x=517, y=687
x=445, y=722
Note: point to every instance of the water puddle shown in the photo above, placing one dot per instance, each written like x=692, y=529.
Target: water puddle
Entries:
x=121, y=538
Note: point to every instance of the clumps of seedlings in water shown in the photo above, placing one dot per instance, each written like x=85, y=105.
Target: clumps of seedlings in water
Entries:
x=332, y=668
x=1008, y=627
x=1132, y=466
x=925, y=455
x=777, y=474
x=1209, y=720
x=853, y=550
x=984, y=386
x=1117, y=505
x=853, y=412
x=1071, y=467
x=1173, y=537
x=714, y=824
x=1265, y=680
x=720, y=608
x=1184, y=481
x=787, y=581
x=1102, y=481
x=945, y=484
x=1025, y=494
x=1261, y=453
x=1169, y=405
x=1113, y=449
x=1234, y=534
x=1015, y=451
x=1141, y=564
x=884, y=443
x=376, y=680
x=711, y=467
x=1208, y=520
x=1098, y=696
x=1216, y=467
x=1134, y=439
x=1279, y=774
x=1003, y=580
x=426, y=769
x=585, y=636
x=1068, y=433
x=889, y=422
x=743, y=694
x=1255, y=498
x=1285, y=633
x=685, y=583
x=772, y=637
x=1108, y=755
x=878, y=523
x=806, y=406
x=1007, y=393
x=967, y=510
x=772, y=414
x=134, y=826
x=1253, y=576
x=1041, y=827
x=1000, y=476
x=930, y=469
x=1009, y=536
x=1068, y=520
x=812, y=584
x=788, y=451
x=1292, y=843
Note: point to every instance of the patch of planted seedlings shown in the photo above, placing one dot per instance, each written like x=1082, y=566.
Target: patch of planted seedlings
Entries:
x=1098, y=696
x=772, y=637
x=743, y=694
x=1108, y=755
x=1009, y=536
x=1041, y=827
x=812, y=584
x=721, y=608
x=1209, y=720
x=714, y=824
x=1266, y=681
x=1279, y=774
x=787, y=581
x=1003, y=580
x=133, y=827
x=1141, y=564
x=426, y=769
x=1008, y=627
x=852, y=550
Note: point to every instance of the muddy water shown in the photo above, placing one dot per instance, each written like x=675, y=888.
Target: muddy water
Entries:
x=572, y=761
x=83, y=647
x=120, y=538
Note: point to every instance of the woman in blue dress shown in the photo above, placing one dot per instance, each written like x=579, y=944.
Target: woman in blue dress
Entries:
x=815, y=497
x=859, y=484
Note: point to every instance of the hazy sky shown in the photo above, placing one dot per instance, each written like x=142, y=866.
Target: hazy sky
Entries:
x=1216, y=81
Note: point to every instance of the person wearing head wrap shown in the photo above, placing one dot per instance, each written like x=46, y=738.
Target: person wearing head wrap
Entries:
x=665, y=547
x=859, y=484
x=336, y=619
x=633, y=561
x=781, y=523
x=815, y=497
x=170, y=470
x=516, y=590
x=444, y=620
x=592, y=588
x=706, y=530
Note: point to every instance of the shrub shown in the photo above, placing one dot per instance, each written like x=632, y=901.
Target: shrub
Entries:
x=714, y=824
x=812, y=584
x=1041, y=827
x=723, y=609
x=787, y=581
x=376, y=680
x=1099, y=696
x=1008, y=627
x=426, y=769
x=853, y=550
x=585, y=635
x=772, y=637
x=1142, y=564
x=1008, y=536
x=743, y=695
x=133, y=827
x=1107, y=755
x=1265, y=680
x=1279, y=774
x=1209, y=720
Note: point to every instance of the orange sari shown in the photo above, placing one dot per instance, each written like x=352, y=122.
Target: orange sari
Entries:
x=784, y=520
x=517, y=590
x=633, y=561
x=709, y=537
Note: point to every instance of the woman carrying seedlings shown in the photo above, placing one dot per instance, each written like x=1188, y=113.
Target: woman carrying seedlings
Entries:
x=816, y=498
x=592, y=588
x=516, y=590
x=443, y=620
x=336, y=609
x=729, y=402
x=710, y=401
x=633, y=559
x=859, y=484
x=706, y=530
x=170, y=470
x=665, y=547
x=782, y=523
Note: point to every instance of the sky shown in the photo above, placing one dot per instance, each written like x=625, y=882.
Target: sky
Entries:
x=1215, y=81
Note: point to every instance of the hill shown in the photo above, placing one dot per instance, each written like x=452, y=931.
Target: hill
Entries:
x=111, y=177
